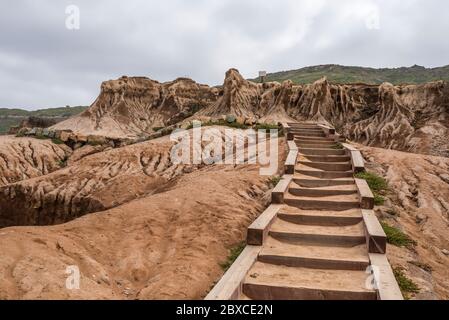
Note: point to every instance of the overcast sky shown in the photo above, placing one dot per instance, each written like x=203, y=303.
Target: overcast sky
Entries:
x=45, y=64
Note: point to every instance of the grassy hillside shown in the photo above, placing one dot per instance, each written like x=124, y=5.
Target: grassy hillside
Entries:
x=342, y=74
x=13, y=117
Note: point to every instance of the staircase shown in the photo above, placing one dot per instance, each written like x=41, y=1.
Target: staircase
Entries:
x=317, y=240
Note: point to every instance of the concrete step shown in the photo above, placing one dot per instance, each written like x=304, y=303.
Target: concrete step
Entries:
x=296, y=131
x=325, y=174
x=322, y=152
x=338, y=203
x=313, y=138
x=272, y=282
x=299, y=191
x=315, y=257
x=315, y=144
x=320, y=217
x=342, y=236
x=326, y=158
x=325, y=166
x=312, y=182
x=309, y=134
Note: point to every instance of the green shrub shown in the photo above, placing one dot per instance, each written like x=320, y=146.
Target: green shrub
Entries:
x=234, y=253
x=396, y=237
x=406, y=285
x=274, y=181
x=378, y=200
x=377, y=184
x=57, y=141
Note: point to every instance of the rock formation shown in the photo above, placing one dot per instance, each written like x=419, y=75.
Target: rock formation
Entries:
x=408, y=117
x=26, y=158
x=129, y=107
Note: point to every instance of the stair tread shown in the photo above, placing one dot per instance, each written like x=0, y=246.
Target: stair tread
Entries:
x=348, y=187
x=303, y=167
x=297, y=137
x=282, y=276
x=302, y=177
x=289, y=210
x=281, y=226
x=273, y=247
x=339, y=198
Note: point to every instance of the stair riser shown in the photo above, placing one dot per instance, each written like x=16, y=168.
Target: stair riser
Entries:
x=328, y=166
x=300, y=262
x=309, y=134
x=329, y=159
x=322, y=152
x=326, y=221
x=321, y=183
x=317, y=142
x=326, y=175
x=321, y=205
x=264, y=292
x=319, y=239
x=319, y=193
x=311, y=144
x=297, y=138
x=307, y=131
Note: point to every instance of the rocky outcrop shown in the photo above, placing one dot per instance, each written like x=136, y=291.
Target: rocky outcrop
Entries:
x=26, y=158
x=408, y=117
x=239, y=97
x=133, y=106
x=94, y=183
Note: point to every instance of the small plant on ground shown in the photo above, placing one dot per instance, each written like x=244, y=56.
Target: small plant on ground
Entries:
x=57, y=141
x=406, y=285
x=234, y=253
x=377, y=184
x=396, y=237
x=63, y=162
x=274, y=181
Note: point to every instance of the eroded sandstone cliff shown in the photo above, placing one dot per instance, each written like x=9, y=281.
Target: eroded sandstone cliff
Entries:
x=407, y=117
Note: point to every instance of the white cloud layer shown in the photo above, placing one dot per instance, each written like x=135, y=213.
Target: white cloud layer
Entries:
x=43, y=64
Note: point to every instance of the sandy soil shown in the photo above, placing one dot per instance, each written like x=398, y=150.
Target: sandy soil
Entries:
x=165, y=243
x=418, y=205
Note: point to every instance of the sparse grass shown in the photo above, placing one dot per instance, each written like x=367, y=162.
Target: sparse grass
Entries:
x=396, y=237
x=41, y=137
x=63, y=162
x=406, y=285
x=378, y=200
x=234, y=253
x=57, y=141
x=377, y=184
x=274, y=181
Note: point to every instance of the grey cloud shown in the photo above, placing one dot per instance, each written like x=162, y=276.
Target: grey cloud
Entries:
x=42, y=64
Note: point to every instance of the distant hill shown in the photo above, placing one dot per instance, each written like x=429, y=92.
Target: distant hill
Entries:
x=342, y=74
x=13, y=117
